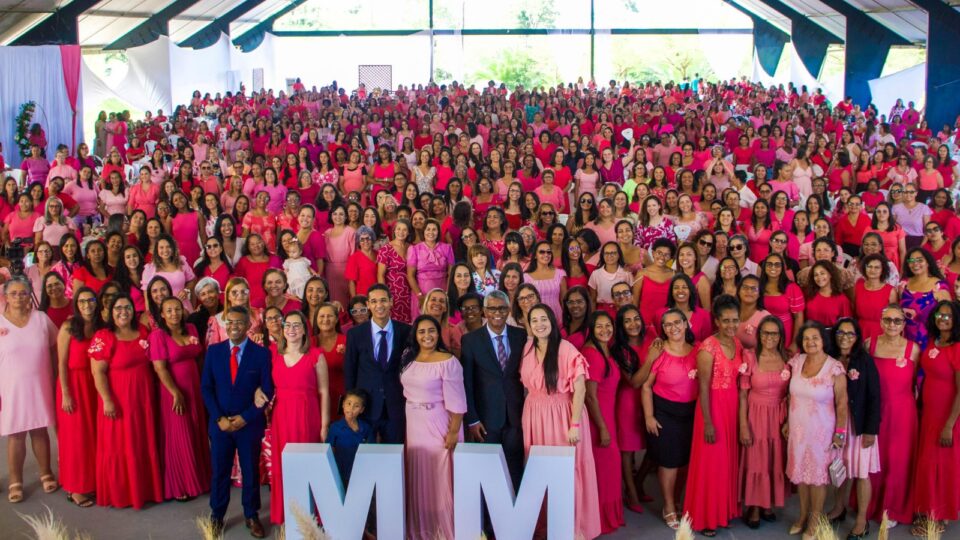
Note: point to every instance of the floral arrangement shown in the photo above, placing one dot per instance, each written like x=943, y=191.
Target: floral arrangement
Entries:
x=23, y=120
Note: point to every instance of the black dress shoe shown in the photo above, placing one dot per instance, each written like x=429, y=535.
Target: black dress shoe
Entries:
x=217, y=527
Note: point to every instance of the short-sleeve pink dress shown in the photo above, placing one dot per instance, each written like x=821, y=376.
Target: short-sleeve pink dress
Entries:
x=26, y=386
x=812, y=423
x=546, y=421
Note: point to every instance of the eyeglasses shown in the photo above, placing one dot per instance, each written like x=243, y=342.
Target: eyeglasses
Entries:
x=467, y=236
x=611, y=254
x=892, y=321
x=766, y=334
x=896, y=191
x=674, y=324
x=496, y=309
x=359, y=310
x=929, y=230
x=274, y=318
x=212, y=246
x=622, y=294
x=909, y=192
x=915, y=260
x=542, y=252
x=778, y=241
x=87, y=301
x=944, y=316
x=293, y=326
x=123, y=308
x=586, y=201
x=736, y=247
x=18, y=294
x=527, y=298
x=704, y=243
x=750, y=288
x=843, y=334
x=548, y=213
x=774, y=264
x=366, y=239
x=470, y=309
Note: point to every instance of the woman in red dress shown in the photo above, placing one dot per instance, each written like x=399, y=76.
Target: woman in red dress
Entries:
x=601, y=406
x=711, y=496
x=128, y=457
x=872, y=293
x=825, y=301
x=175, y=349
x=936, y=477
x=301, y=406
x=332, y=342
x=77, y=401
x=896, y=359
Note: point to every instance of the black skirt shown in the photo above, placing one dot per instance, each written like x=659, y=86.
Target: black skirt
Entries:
x=671, y=449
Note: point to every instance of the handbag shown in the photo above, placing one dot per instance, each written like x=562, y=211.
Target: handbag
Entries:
x=838, y=472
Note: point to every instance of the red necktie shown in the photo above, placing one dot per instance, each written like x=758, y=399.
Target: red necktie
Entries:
x=234, y=363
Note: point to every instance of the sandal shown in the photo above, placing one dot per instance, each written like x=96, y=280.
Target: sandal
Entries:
x=86, y=502
x=671, y=520
x=15, y=494
x=709, y=533
x=49, y=483
x=797, y=528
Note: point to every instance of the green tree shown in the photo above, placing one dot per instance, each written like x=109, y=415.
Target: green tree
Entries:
x=513, y=67
x=537, y=14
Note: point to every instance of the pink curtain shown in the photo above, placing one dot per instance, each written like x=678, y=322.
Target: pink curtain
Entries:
x=70, y=59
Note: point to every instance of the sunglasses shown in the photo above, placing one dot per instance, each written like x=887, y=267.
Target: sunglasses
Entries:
x=704, y=243
x=737, y=247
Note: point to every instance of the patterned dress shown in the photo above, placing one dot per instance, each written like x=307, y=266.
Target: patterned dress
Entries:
x=812, y=423
x=922, y=304
x=645, y=236
x=396, y=277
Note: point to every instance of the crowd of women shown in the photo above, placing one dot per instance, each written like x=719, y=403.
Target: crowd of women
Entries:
x=742, y=290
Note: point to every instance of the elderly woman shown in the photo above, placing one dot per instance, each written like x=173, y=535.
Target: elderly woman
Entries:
x=28, y=351
x=207, y=292
x=361, y=270
x=816, y=427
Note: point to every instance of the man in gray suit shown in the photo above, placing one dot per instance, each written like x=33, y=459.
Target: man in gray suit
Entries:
x=491, y=378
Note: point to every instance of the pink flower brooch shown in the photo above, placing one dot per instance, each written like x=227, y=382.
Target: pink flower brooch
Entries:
x=692, y=374
x=853, y=374
x=743, y=368
x=785, y=374
x=901, y=362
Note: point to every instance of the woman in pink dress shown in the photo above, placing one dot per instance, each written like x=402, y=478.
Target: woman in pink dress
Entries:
x=546, y=277
x=432, y=382
x=175, y=350
x=630, y=350
x=669, y=399
x=428, y=264
x=301, y=405
x=896, y=358
x=185, y=228
x=77, y=401
x=816, y=426
x=872, y=293
x=604, y=377
x=27, y=351
x=936, y=484
x=780, y=296
x=711, y=495
x=332, y=343
x=763, y=411
x=341, y=243
x=554, y=373
x=169, y=264
x=392, y=270
x=128, y=456
x=825, y=301
x=253, y=266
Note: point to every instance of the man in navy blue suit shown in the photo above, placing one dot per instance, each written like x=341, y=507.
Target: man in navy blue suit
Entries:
x=372, y=362
x=232, y=372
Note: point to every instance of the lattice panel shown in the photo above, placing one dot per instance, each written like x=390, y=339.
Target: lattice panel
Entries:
x=375, y=76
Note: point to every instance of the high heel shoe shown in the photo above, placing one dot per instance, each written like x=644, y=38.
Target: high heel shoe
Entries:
x=796, y=529
x=864, y=534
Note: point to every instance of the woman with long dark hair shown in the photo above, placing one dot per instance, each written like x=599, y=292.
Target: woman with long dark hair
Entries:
x=431, y=375
x=553, y=371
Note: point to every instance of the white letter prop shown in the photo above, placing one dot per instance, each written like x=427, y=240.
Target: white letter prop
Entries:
x=310, y=477
x=480, y=470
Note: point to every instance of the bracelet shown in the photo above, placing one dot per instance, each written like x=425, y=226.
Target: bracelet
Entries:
x=839, y=431
x=576, y=425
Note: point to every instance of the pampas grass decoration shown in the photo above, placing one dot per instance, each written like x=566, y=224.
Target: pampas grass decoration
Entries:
x=824, y=531
x=205, y=525
x=685, y=531
x=280, y=533
x=306, y=525
x=46, y=526
x=884, y=533
x=932, y=527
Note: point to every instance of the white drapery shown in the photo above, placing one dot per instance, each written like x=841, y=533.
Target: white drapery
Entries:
x=35, y=74
x=908, y=84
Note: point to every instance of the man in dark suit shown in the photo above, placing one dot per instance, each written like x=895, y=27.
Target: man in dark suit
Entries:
x=491, y=378
x=232, y=372
x=372, y=362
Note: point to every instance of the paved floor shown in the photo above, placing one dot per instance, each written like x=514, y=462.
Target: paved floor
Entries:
x=174, y=520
